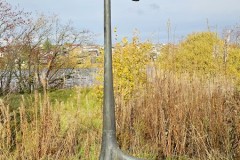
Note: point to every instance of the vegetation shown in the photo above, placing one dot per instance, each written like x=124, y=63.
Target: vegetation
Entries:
x=61, y=125
x=167, y=113
x=172, y=112
x=181, y=118
x=33, y=48
x=130, y=62
x=201, y=54
x=184, y=105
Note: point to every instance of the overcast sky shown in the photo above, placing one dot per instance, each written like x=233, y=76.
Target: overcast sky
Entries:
x=149, y=17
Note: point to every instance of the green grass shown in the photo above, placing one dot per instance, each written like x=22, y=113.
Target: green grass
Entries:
x=79, y=116
x=76, y=97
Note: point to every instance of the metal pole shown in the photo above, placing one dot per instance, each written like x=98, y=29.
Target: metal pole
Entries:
x=109, y=127
x=109, y=149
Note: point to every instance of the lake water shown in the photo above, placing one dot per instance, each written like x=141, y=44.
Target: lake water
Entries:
x=72, y=77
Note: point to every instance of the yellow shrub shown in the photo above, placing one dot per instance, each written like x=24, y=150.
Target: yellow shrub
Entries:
x=129, y=66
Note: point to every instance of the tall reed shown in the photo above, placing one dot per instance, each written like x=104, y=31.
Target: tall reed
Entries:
x=48, y=131
x=174, y=117
x=183, y=117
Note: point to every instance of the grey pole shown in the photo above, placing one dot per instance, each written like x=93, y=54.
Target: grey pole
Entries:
x=109, y=148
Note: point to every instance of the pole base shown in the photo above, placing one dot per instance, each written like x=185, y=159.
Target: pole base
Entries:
x=111, y=151
x=115, y=154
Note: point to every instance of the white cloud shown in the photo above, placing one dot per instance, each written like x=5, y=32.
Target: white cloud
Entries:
x=147, y=16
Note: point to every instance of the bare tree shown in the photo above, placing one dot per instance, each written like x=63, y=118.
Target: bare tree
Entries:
x=21, y=45
x=11, y=18
x=35, y=58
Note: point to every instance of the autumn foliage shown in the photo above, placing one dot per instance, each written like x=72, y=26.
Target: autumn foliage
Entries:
x=130, y=60
x=184, y=104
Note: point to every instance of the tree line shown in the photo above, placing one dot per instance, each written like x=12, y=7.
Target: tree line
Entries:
x=34, y=48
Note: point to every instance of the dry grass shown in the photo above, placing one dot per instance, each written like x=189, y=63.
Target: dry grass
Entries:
x=175, y=117
x=48, y=131
x=182, y=117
